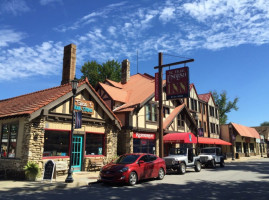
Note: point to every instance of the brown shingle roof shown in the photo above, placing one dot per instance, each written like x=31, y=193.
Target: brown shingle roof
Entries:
x=115, y=93
x=246, y=131
x=204, y=97
x=29, y=103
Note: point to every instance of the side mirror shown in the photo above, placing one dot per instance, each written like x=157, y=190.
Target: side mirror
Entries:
x=141, y=161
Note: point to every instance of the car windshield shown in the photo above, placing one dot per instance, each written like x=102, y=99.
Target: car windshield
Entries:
x=177, y=151
x=126, y=159
x=208, y=151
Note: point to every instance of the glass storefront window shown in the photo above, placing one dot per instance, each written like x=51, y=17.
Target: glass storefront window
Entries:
x=238, y=147
x=251, y=147
x=56, y=143
x=9, y=140
x=144, y=146
x=94, y=144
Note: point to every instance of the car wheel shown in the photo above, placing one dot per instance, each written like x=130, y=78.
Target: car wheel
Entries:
x=197, y=166
x=182, y=168
x=132, y=178
x=222, y=164
x=213, y=163
x=161, y=174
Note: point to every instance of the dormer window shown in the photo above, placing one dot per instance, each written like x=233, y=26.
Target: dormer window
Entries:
x=151, y=112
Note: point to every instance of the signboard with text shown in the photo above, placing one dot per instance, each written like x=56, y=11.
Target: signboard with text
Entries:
x=149, y=136
x=177, y=83
x=156, y=86
x=86, y=107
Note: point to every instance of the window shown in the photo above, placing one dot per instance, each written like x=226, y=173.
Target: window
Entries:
x=151, y=112
x=180, y=120
x=94, y=144
x=212, y=111
x=144, y=146
x=213, y=128
x=204, y=126
x=56, y=143
x=238, y=147
x=200, y=124
x=193, y=104
x=204, y=107
x=217, y=127
x=216, y=113
x=251, y=147
x=166, y=112
x=9, y=140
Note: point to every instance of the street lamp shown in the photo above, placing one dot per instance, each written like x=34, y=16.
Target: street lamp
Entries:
x=74, y=84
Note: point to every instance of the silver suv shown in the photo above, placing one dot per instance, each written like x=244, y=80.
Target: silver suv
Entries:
x=210, y=156
x=181, y=158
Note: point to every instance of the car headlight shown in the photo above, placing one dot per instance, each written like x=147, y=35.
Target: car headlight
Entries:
x=123, y=169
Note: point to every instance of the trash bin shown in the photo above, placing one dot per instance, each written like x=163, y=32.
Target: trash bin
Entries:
x=237, y=156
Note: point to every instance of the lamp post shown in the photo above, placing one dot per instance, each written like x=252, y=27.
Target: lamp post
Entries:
x=74, y=84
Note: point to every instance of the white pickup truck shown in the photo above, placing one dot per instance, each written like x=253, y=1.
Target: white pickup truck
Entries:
x=181, y=158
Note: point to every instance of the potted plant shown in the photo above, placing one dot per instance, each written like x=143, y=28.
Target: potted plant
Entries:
x=31, y=171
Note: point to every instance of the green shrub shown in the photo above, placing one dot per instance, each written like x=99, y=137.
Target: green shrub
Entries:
x=32, y=170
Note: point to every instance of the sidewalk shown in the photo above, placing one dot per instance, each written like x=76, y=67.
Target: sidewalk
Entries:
x=243, y=159
x=80, y=179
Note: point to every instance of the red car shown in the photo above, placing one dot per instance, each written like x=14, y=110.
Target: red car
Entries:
x=130, y=168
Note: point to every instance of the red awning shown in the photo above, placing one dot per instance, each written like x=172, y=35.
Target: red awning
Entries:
x=179, y=138
x=203, y=140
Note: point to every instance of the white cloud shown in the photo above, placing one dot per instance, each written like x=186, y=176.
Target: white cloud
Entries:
x=46, y=2
x=167, y=14
x=44, y=59
x=13, y=6
x=8, y=36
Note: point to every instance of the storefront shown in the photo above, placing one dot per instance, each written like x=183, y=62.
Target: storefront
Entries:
x=41, y=130
x=144, y=143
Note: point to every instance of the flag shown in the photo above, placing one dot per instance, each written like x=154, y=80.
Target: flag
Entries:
x=78, y=119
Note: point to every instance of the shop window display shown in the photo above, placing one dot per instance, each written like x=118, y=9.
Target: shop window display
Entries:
x=144, y=146
x=56, y=143
x=9, y=140
x=94, y=144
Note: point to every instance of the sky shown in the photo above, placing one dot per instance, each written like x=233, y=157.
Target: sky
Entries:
x=228, y=40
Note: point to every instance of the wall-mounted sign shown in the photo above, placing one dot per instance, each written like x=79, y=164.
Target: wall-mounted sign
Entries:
x=177, y=83
x=86, y=107
x=200, y=132
x=149, y=136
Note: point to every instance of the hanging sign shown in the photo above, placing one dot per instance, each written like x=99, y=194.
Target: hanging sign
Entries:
x=200, y=132
x=177, y=83
x=86, y=107
x=78, y=119
x=156, y=86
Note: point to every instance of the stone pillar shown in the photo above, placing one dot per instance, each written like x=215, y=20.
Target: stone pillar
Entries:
x=69, y=64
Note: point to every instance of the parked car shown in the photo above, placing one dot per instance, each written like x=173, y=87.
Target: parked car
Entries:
x=131, y=168
x=181, y=158
x=210, y=156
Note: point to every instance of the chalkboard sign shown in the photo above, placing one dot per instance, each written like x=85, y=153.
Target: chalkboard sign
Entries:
x=49, y=170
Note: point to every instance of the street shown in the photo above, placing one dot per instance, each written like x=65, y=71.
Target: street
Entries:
x=237, y=180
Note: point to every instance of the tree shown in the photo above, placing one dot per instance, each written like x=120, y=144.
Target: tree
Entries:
x=224, y=105
x=95, y=72
x=265, y=123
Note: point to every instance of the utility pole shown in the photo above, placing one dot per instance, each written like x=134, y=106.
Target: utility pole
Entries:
x=160, y=90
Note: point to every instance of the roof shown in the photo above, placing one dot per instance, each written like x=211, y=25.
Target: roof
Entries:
x=204, y=97
x=180, y=138
x=246, y=131
x=136, y=91
x=115, y=93
x=29, y=103
x=172, y=116
x=204, y=140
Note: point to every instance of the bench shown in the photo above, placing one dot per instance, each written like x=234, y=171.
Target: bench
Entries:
x=61, y=166
x=96, y=164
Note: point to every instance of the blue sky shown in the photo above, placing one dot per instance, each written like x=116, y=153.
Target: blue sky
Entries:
x=228, y=40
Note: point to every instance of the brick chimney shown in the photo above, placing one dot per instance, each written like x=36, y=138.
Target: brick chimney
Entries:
x=69, y=64
x=125, y=71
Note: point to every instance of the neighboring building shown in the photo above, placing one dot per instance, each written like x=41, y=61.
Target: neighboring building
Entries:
x=243, y=140
x=263, y=147
x=37, y=126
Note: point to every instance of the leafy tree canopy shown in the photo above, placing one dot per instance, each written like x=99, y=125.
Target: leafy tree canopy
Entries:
x=265, y=123
x=224, y=105
x=96, y=72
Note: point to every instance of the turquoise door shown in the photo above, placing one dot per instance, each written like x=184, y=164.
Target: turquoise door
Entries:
x=77, y=153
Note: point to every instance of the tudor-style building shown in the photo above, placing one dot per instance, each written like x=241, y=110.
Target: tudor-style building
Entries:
x=37, y=126
x=133, y=102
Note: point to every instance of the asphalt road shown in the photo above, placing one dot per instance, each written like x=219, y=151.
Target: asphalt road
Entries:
x=239, y=180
